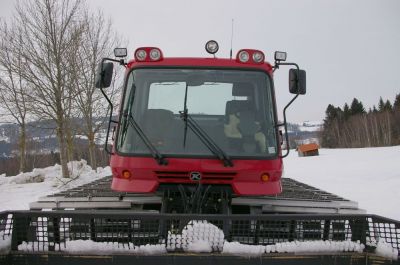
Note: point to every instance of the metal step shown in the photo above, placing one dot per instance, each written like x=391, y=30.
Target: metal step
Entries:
x=296, y=197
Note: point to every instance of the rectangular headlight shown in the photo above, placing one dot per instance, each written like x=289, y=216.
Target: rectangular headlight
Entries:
x=120, y=52
x=280, y=56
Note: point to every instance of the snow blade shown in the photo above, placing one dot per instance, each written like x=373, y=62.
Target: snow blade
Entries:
x=155, y=238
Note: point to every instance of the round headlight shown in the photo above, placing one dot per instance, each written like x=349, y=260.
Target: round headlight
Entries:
x=155, y=54
x=244, y=56
x=141, y=55
x=212, y=47
x=258, y=57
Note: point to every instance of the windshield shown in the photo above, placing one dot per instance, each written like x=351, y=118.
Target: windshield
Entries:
x=234, y=108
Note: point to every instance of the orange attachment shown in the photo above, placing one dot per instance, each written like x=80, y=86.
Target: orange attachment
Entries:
x=308, y=149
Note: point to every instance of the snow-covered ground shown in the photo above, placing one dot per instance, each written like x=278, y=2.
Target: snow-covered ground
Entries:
x=17, y=192
x=369, y=176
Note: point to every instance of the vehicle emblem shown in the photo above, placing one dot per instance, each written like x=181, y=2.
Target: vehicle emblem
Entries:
x=195, y=176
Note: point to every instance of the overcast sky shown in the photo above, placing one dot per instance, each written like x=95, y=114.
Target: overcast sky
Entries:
x=348, y=48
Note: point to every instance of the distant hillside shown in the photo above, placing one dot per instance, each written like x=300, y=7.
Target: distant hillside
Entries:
x=41, y=138
x=308, y=131
x=8, y=139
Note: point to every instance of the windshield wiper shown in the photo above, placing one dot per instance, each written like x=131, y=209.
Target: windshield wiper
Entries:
x=184, y=116
x=206, y=139
x=153, y=150
x=202, y=135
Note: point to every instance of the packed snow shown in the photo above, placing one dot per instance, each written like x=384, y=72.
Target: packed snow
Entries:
x=202, y=246
x=196, y=245
x=297, y=247
x=384, y=249
x=197, y=236
x=102, y=248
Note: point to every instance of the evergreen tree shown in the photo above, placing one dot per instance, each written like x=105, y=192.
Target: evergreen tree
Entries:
x=357, y=107
x=381, y=105
x=333, y=115
x=346, y=111
x=347, y=128
x=396, y=104
x=330, y=114
x=388, y=106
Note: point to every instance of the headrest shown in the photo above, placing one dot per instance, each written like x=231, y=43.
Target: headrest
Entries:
x=242, y=89
x=235, y=106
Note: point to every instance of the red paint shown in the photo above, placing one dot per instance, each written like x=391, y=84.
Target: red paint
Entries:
x=202, y=62
x=244, y=177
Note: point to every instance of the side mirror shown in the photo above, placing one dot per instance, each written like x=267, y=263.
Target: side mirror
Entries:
x=297, y=81
x=104, y=75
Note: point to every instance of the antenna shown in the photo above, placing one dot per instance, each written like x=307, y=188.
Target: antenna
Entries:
x=231, y=39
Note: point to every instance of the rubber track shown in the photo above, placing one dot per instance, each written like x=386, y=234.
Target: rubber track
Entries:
x=292, y=189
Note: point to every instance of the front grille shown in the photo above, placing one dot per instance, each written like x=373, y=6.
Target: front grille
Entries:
x=172, y=175
x=219, y=175
x=184, y=175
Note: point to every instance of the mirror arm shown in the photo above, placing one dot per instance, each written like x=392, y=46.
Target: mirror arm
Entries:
x=109, y=122
x=122, y=62
x=277, y=64
x=285, y=126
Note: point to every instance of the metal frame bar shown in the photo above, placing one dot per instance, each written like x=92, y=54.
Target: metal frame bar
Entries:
x=49, y=230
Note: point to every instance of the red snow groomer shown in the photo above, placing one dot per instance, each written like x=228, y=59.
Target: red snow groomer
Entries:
x=197, y=146
x=202, y=129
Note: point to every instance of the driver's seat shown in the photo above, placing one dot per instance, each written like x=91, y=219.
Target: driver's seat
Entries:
x=241, y=127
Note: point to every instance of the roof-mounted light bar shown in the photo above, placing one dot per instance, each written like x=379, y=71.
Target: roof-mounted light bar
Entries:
x=148, y=54
x=250, y=56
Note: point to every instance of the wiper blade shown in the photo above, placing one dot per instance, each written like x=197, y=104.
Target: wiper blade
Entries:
x=206, y=139
x=153, y=150
x=184, y=116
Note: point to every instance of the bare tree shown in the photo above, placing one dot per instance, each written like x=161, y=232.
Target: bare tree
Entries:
x=49, y=33
x=99, y=40
x=13, y=88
